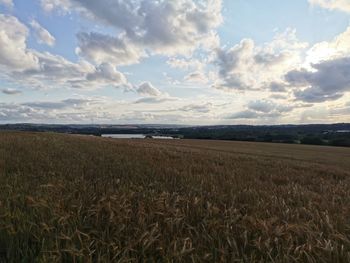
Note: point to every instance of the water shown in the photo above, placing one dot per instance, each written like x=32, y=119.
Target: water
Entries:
x=162, y=137
x=135, y=136
x=124, y=136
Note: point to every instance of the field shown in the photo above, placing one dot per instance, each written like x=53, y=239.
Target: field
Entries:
x=71, y=198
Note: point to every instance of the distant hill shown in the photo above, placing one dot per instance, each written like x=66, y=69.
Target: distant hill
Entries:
x=320, y=134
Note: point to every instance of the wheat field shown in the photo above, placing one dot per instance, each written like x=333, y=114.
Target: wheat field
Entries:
x=71, y=198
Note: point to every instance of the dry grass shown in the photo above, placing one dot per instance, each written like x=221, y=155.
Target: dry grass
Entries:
x=67, y=198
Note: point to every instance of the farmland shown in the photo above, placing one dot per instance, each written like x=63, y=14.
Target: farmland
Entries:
x=72, y=198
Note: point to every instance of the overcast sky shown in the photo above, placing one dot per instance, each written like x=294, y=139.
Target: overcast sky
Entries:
x=175, y=61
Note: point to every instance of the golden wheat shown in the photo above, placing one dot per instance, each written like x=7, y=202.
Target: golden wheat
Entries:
x=66, y=198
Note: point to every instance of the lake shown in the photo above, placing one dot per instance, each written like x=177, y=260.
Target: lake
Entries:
x=124, y=136
x=135, y=136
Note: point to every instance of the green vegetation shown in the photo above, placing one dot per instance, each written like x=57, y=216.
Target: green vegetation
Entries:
x=71, y=198
x=313, y=134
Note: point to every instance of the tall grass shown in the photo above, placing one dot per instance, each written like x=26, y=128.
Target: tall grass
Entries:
x=83, y=199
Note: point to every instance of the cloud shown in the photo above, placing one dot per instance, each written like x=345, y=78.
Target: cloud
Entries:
x=154, y=100
x=72, y=110
x=341, y=5
x=106, y=74
x=77, y=109
x=326, y=50
x=54, y=69
x=13, y=50
x=267, y=106
x=246, y=66
x=68, y=103
x=261, y=106
x=276, y=87
x=7, y=3
x=43, y=36
x=33, y=69
x=11, y=91
x=146, y=88
x=200, y=108
x=64, y=73
x=101, y=48
x=341, y=111
x=262, y=109
x=197, y=77
x=51, y=5
x=246, y=114
x=278, y=97
x=328, y=80
x=159, y=27
x=186, y=63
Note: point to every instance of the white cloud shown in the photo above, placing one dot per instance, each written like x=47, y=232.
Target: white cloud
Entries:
x=7, y=3
x=43, y=36
x=153, y=100
x=199, y=108
x=53, y=69
x=107, y=74
x=72, y=110
x=264, y=109
x=342, y=5
x=35, y=69
x=246, y=66
x=186, y=63
x=50, y=5
x=146, y=88
x=197, y=77
x=101, y=48
x=159, y=27
x=56, y=105
x=82, y=75
x=336, y=48
x=13, y=49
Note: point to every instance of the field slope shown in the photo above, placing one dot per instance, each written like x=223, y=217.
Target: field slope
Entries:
x=71, y=198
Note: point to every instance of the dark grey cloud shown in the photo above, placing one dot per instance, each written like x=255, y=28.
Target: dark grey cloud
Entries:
x=328, y=81
x=278, y=97
x=261, y=106
x=11, y=91
x=276, y=87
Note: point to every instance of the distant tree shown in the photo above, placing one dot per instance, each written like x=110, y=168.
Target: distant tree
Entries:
x=340, y=142
x=312, y=140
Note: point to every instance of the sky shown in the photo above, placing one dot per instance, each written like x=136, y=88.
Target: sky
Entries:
x=191, y=62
